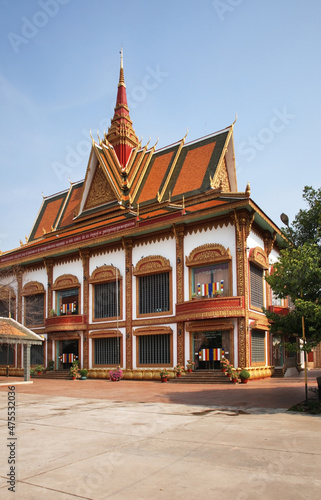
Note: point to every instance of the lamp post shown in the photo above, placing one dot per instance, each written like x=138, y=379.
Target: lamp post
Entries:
x=285, y=219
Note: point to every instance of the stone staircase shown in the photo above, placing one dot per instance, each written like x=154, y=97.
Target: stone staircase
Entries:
x=279, y=372
x=55, y=375
x=202, y=377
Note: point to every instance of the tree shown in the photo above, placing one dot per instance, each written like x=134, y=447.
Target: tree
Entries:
x=297, y=274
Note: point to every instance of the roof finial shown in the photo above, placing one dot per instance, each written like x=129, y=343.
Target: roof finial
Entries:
x=121, y=76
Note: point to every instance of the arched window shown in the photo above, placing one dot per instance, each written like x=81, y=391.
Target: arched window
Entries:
x=210, y=271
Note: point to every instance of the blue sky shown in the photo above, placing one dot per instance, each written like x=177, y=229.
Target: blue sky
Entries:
x=188, y=64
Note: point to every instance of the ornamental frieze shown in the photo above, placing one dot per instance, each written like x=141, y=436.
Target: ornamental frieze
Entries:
x=66, y=281
x=152, y=264
x=32, y=288
x=258, y=256
x=207, y=254
x=6, y=292
x=104, y=273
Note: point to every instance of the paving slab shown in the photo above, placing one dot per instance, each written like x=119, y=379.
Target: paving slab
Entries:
x=96, y=440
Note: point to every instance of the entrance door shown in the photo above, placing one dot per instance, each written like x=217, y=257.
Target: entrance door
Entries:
x=277, y=353
x=207, y=348
x=67, y=353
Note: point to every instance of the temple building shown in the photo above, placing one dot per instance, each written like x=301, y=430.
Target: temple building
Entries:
x=155, y=258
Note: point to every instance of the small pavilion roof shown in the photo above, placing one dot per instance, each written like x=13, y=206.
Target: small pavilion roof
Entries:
x=12, y=332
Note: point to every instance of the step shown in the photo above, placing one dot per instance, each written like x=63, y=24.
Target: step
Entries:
x=55, y=374
x=202, y=377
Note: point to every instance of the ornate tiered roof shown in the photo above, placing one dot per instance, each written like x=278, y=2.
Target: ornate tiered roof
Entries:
x=128, y=185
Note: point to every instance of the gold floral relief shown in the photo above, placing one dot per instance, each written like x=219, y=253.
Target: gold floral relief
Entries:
x=33, y=287
x=66, y=281
x=207, y=254
x=152, y=264
x=100, y=191
x=258, y=256
x=104, y=273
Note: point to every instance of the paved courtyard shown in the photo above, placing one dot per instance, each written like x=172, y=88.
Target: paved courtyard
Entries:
x=95, y=439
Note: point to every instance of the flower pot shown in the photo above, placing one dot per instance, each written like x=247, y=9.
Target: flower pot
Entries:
x=73, y=378
x=223, y=370
x=83, y=378
x=234, y=380
x=244, y=380
x=163, y=379
x=189, y=370
x=179, y=374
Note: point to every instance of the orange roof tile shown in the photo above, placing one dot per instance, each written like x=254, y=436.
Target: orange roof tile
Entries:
x=72, y=206
x=155, y=177
x=49, y=216
x=193, y=170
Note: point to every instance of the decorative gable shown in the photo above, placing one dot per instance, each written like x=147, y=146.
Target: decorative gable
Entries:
x=100, y=191
x=221, y=179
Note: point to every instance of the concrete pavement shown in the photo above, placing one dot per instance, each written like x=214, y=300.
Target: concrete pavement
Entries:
x=142, y=440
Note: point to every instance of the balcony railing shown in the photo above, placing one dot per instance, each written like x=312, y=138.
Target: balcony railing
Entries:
x=66, y=322
x=283, y=311
x=221, y=307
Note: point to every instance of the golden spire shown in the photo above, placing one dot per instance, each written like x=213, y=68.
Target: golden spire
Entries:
x=121, y=75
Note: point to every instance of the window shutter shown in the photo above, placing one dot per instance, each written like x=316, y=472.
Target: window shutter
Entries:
x=256, y=283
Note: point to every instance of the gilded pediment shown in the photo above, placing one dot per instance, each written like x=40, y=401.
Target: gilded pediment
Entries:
x=100, y=191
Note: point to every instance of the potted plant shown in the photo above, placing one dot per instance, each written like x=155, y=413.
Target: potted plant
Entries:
x=224, y=364
x=178, y=369
x=39, y=369
x=244, y=376
x=51, y=365
x=234, y=376
x=116, y=374
x=164, y=375
x=190, y=365
x=52, y=313
x=229, y=370
x=83, y=374
x=32, y=372
x=74, y=370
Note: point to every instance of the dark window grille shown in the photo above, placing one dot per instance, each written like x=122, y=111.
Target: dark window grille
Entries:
x=107, y=304
x=256, y=281
x=4, y=308
x=107, y=351
x=258, y=346
x=154, y=293
x=154, y=349
x=6, y=354
x=34, y=309
x=36, y=355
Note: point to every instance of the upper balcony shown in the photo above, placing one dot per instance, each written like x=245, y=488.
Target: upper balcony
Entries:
x=66, y=323
x=220, y=307
x=283, y=311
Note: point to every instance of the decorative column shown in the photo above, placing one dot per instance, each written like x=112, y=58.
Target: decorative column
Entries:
x=179, y=231
x=49, y=268
x=269, y=240
x=128, y=246
x=26, y=362
x=19, y=277
x=243, y=223
x=85, y=256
